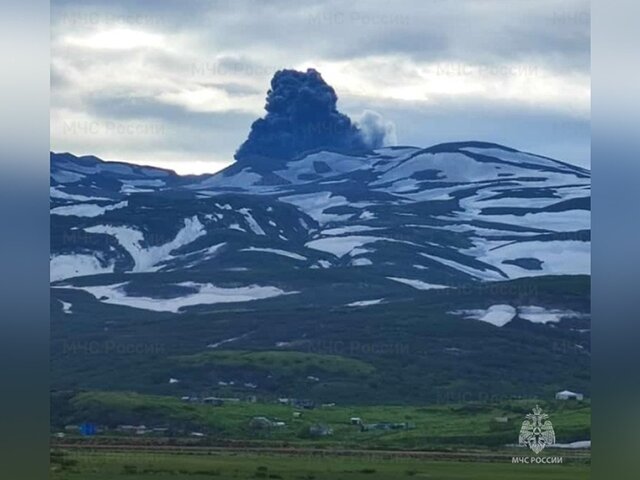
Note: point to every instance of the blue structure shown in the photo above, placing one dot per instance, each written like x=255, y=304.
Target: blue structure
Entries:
x=88, y=429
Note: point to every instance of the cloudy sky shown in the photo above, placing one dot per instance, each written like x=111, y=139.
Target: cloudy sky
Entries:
x=177, y=83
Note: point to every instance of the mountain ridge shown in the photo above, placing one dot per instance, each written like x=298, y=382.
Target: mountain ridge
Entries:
x=446, y=146
x=471, y=260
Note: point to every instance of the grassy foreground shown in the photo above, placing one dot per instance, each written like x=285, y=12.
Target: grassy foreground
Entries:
x=433, y=426
x=72, y=465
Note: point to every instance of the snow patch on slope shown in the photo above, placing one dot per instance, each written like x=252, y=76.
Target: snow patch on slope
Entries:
x=537, y=314
x=365, y=303
x=253, y=225
x=275, y=251
x=498, y=315
x=59, y=194
x=87, y=209
x=314, y=205
x=206, y=294
x=147, y=259
x=568, y=257
x=66, y=307
x=62, y=267
x=417, y=284
x=340, y=246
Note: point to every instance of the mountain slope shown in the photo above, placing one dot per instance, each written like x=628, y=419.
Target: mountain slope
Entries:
x=447, y=214
x=443, y=253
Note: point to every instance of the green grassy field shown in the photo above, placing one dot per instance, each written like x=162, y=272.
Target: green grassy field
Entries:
x=137, y=466
x=472, y=424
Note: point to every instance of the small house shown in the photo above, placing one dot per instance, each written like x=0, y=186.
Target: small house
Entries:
x=319, y=430
x=260, y=423
x=568, y=395
x=306, y=404
x=355, y=421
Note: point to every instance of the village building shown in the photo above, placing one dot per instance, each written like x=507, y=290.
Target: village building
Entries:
x=568, y=395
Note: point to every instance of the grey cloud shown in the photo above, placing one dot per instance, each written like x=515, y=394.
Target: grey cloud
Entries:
x=543, y=132
x=125, y=107
x=237, y=45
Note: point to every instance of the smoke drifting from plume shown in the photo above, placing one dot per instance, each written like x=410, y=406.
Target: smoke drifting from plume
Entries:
x=302, y=115
x=376, y=131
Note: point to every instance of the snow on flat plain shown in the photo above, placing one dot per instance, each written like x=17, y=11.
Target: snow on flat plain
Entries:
x=275, y=251
x=205, y=294
x=87, y=209
x=62, y=267
x=147, y=259
x=365, y=303
x=418, y=284
x=340, y=246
